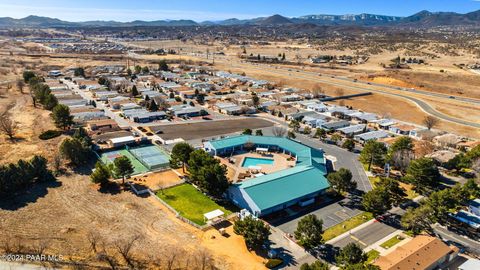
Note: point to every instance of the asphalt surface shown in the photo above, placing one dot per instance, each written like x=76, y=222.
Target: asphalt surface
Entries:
x=331, y=215
x=366, y=236
x=460, y=240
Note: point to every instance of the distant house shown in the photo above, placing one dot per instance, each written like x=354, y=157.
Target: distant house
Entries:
x=372, y=135
x=363, y=117
x=335, y=125
x=185, y=110
x=422, y=252
x=318, y=107
x=290, y=98
x=353, y=130
x=144, y=116
x=383, y=123
x=234, y=110
x=315, y=120
x=54, y=73
x=403, y=129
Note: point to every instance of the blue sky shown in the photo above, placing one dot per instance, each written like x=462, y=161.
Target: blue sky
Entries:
x=199, y=10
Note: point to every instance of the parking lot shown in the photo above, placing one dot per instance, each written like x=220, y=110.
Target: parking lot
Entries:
x=331, y=214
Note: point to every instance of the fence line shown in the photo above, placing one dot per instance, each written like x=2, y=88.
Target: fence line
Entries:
x=177, y=214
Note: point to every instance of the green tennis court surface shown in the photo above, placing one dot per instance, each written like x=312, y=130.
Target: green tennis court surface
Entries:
x=110, y=156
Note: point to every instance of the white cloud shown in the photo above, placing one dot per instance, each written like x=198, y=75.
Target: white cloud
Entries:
x=87, y=14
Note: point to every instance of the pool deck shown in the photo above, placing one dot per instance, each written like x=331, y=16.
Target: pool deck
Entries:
x=280, y=162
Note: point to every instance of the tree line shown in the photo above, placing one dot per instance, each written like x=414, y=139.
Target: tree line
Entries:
x=15, y=177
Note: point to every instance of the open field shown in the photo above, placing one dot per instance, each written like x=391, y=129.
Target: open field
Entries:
x=190, y=131
x=190, y=202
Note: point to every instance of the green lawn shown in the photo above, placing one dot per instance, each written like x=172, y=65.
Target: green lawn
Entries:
x=374, y=180
x=372, y=255
x=347, y=225
x=190, y=202
x=391, y=242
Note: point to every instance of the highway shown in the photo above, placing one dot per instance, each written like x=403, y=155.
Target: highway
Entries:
x=424, y=106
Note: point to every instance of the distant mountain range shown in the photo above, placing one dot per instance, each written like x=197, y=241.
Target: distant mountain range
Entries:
x=420, y=19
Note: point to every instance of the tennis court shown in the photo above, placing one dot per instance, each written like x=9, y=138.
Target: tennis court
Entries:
x=110, y=156
x=151, y=156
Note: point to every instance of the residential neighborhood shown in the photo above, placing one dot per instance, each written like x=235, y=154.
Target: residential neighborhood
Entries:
x=263, y=143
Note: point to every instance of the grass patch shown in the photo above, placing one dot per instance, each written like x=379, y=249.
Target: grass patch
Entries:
x=409, y=233
x=190, y=202
x=411, y=194
x=372, y=255
x=365, y=166
x=347, y=225
x=374, y=180
x=391, y=242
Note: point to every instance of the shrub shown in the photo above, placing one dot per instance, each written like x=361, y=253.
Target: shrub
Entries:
x=50, y=134
x=272, y=263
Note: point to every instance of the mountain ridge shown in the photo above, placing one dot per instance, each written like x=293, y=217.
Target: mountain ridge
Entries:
x=423, y=18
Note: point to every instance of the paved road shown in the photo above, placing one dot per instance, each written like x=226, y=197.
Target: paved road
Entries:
x=386, y=86
x=446, y=235
x=420, y=103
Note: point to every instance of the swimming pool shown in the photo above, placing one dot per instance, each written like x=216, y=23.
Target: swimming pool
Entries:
x=252, y=161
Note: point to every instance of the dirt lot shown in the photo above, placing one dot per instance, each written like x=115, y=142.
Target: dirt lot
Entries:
x=190, y=131
x=31, y=123
x=65, y=213
x=157, y=180
x=460, y=83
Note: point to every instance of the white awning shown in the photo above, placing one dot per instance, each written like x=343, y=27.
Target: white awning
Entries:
x=254, y=167
x=261, y=149
x=214, y=214
x=123, y=139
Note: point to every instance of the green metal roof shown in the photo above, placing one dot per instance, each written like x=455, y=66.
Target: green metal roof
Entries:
x=287, y=186
x=307, y=177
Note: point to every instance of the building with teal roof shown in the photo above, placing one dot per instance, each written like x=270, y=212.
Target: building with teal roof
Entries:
x=275, y=191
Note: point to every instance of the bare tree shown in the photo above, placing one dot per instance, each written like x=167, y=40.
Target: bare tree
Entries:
x=424, y=148
x=203, y=260
x=124, y=247
x=57, y=164
x=8, y=126
x=95, y=240
x=278, y=131
x=20, y=85
x=401, y=159
x=339, y=92
x=39, y=247
x=430, y=121
x=172, y=259
x=105, y=257
x=317, y=90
